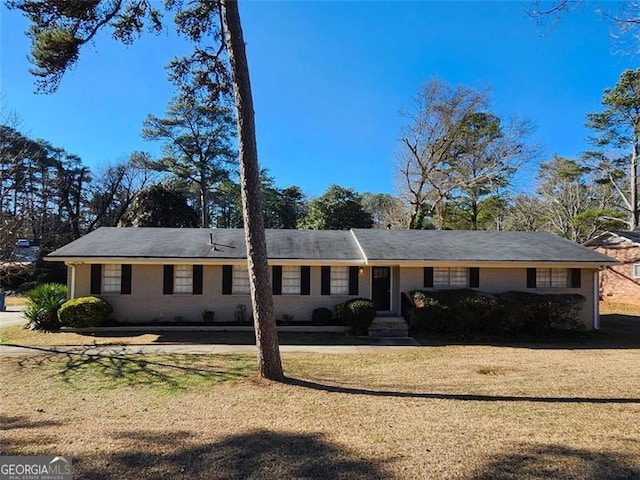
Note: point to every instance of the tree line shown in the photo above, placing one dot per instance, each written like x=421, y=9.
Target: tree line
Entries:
x=455, y=168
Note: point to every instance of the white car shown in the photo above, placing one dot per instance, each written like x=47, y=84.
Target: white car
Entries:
x=23, y=243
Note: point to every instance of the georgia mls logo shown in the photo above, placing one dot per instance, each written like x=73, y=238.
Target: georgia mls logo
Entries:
x=35, y=468
x=60, y=466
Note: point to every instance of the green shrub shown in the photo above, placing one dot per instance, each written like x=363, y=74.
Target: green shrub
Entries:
x=535, y=313
x=468, y=311
x=44, y=302
x=321, y=316
x=208, y=316
x=84, y=312
x=359, y=314
x=451, y=311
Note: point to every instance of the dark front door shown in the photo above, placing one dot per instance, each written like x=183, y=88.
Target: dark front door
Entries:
x=381, y=288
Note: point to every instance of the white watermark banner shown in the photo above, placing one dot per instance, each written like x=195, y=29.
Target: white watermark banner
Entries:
x=35, y=468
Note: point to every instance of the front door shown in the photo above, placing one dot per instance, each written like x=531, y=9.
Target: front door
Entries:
x=381, y=288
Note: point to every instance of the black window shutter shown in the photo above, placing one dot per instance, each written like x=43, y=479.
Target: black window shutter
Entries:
x=96, y=279
x=428, y=277
x=167, y=280
x=197, y=279
x=531, y=278
x=305, y=280
x=325, y=281
x=227, y=279
x=277, y=279
x=125, y=279
x=576, y=278
x=474, y=277
x=353, y=280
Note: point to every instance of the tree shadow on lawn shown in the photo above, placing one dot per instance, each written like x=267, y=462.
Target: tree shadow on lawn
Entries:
x=18, y=442
x=176, y=371
x=616, y=332
x=258, y=454
x=21, y=421
x=538, y=462
x=179, y=372
x=456, y=396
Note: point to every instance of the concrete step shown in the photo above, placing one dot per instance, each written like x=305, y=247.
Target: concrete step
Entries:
x=389, y=327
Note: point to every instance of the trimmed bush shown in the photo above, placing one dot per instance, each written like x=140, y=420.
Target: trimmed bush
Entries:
x=84, y=312
x=469, y=312
x=208, y=316
x=452, y=311
x=534, y=313
x=321, y=316
x=359, y=314
x=44, y=302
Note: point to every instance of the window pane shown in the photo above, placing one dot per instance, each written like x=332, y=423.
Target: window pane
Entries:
x=559, y=277
x=291, y=280
x=111, y=278
x=458, y=277
x=543, y=277
x=636, y=270
x=183, y=279
x=339, y=280
x=241, y=279
x=440, y=277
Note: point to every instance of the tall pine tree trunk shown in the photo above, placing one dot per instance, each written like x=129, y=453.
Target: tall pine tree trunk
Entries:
x=269, y=363
x=635, y=208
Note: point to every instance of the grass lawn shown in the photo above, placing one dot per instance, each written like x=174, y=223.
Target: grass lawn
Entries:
x=15, y=300
x=18, y=335
x=458, y=411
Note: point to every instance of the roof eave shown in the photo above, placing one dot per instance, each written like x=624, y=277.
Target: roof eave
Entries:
x=77, y=260
x=320, y=262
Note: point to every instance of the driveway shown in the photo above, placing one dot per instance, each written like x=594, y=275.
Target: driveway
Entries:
x=12, y=316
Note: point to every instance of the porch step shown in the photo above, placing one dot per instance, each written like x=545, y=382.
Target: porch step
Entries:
x=389, y=327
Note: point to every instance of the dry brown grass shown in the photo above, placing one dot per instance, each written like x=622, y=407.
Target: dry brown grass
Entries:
x=463, y=412
x=607, y=308
x=15, y=301
x=18, y=334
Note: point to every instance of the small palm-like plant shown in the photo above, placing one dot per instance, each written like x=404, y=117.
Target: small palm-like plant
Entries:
x=44, y=302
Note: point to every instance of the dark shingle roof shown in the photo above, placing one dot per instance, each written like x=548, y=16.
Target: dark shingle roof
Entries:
x=331, y=245
x=466, y=245
x=196, y=243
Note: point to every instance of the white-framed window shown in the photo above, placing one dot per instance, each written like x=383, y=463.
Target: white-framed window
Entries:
x=183, y=279
x=111, y=278
x=241, y=279
x=636, y=270
x=339, y=280
x=450, y=277
x=291, y=280
x=552, y=277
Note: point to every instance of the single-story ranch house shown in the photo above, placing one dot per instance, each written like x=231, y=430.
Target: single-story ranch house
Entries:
x=164, y=274
x=619, y=282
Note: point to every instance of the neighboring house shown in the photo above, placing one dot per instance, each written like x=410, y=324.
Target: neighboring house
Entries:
x=619, y=282
x=163, y=274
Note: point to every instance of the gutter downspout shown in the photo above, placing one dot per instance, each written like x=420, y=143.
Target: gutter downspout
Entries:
x=72, y=287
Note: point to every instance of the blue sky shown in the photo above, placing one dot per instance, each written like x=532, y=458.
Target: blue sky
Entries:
x=329, y=80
